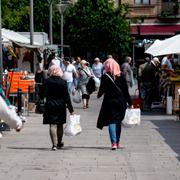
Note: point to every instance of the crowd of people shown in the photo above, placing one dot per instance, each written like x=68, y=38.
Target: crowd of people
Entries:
x=56, y=86
x=153, y=80
x=63, y=76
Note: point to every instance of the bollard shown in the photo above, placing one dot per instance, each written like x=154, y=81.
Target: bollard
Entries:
x=19, y=101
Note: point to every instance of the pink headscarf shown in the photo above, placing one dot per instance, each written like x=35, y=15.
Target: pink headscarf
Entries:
x=112, y=66
x=55, y=70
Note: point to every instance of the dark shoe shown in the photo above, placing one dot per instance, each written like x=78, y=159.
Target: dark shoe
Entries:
x=60, y=145
x=54, y=148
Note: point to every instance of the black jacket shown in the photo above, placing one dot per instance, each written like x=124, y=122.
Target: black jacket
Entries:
x=114, y=103
x=57, y=99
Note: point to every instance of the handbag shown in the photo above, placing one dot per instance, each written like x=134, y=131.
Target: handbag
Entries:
x=90, y=86
x=40, y=108
x=73, y=126
x=76, y=96
x=132, y=117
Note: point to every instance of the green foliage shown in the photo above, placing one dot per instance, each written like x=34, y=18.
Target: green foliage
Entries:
x=89, y=25
x=15, y=14
x=95, y=25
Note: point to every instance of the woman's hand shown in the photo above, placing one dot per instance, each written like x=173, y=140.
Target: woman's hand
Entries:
x=131, y=107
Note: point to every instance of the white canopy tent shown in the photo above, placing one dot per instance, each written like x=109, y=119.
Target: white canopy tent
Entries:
x=167, y=46
x=9, y=35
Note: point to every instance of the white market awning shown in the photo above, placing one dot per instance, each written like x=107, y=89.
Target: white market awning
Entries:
x=164, y=47
x=17, y=38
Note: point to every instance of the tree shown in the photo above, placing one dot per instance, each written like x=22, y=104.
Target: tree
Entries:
x=15, y=16
x=96, y=26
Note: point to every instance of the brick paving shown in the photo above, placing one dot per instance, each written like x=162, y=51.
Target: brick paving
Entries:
x=150, y=151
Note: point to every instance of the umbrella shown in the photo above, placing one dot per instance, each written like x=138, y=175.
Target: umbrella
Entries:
x=167, y=46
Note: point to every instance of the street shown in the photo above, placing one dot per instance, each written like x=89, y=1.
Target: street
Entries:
x=149, y=151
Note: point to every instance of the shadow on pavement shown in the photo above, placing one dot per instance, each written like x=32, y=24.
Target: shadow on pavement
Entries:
x=29, y=148
x=154, y=112
x=64, y=148
x=170, y=131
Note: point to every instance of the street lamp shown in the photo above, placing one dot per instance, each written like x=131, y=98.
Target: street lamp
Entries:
x=50, y=21
x=62, y=7
x=1, y=56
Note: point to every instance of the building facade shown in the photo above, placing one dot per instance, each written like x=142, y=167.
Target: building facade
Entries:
x=150, y=20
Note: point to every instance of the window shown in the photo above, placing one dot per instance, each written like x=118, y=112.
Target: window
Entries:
x=142, y=2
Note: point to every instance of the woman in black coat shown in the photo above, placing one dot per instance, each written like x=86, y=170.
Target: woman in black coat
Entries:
x=57, y=99
x=116, y=96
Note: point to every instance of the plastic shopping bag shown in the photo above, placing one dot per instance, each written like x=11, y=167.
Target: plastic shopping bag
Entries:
x=97, y=81
x=9, y=115
x=73, y=126
x=132, y=118
x=76, y=96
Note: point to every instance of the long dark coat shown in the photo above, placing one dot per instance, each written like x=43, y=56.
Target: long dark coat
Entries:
x=57, y=99
x=114, y=103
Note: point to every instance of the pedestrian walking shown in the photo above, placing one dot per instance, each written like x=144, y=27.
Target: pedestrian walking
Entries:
x=150, y=83
x=69, y=73
x=97, y=68
x=77, y=65
x=57, y=99
x=116, y=96
x=127, y=71
x=84, y=75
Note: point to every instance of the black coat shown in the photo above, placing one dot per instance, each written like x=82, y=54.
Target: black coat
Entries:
x=57, y=99
x=114, y=103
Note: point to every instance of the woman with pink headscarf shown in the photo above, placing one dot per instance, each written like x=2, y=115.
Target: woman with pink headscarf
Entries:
x=116, y=96
x=57, y=99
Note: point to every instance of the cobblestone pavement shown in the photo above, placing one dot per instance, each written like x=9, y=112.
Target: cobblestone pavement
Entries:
x=150, y=151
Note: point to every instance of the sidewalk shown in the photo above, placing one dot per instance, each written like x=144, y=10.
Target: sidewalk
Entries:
x=150, y=151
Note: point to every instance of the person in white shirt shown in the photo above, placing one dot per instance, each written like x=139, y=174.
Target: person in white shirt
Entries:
x=166, y=63
x=56, y=60
x=69, y=72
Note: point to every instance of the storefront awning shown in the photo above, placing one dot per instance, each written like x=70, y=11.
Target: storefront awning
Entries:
x=154, y=29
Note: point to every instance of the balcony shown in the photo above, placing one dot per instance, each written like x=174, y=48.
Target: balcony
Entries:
x=170, y=10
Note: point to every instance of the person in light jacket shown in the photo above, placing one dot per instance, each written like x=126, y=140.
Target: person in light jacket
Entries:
x=127, y=71
x=116, y=96
x=84, y=74
x=57, y=99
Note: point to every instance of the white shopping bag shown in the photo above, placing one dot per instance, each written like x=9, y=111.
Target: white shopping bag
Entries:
x=9, y=115
x=73, y=126
x=97, y=81
x=132, y=117
x=76, y=96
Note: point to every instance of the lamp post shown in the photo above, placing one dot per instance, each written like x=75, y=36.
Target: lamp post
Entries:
x=1, y=56
x=31, y=23
x=62, y=7
x=50, y=21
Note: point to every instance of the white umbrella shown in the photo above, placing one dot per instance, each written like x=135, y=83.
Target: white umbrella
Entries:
x=167, y=46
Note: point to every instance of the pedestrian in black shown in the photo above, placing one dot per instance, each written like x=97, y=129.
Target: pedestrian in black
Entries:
x=116, y=96
x=57, y=99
